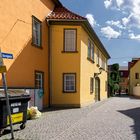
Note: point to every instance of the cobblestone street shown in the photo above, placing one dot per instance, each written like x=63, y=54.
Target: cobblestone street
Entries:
x=117, y=118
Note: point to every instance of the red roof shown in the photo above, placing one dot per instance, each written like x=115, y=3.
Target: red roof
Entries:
x=60, y=12
x=133, y=62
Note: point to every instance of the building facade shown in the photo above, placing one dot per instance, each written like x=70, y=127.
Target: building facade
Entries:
x=124, y=79
x=134, y=74
x=59, y=57
x=76, y=54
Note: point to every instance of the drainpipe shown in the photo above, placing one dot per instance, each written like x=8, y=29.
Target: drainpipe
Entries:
x=49, y=66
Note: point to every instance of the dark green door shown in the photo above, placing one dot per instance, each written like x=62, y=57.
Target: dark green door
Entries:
x=97, y=89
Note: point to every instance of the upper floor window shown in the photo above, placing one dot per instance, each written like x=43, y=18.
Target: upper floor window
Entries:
x=90, y=50
x=121, y=73
x=98, y=57
x=70, y=40
x=137, y=75
x=36, y=32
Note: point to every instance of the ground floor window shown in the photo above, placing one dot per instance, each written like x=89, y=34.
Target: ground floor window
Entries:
x=69, y=82
x=39, y=80
x=91, y=85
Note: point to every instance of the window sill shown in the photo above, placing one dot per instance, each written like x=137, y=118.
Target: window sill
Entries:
x=92, y=61
x=91, y=93
x=36, y=46
x=69, y=51
x=69, y=91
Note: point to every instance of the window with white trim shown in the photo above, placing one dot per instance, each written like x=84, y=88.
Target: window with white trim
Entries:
x=70, y=40
x=39, y=80
x=36, y=32
x=69, y=82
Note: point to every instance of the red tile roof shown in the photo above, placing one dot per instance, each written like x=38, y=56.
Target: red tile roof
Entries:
x=133, y=62
x=60, y=12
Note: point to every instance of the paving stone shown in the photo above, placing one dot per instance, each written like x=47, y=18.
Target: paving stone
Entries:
x=113, y=119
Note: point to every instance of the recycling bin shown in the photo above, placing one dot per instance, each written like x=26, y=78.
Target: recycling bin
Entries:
x=18, y=105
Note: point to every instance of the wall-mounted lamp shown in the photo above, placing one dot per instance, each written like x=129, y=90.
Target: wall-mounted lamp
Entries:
x=100, y=71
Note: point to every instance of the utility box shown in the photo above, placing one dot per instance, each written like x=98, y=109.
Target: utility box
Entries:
x=18, y=104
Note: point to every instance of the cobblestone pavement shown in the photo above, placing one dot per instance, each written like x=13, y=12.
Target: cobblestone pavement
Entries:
x=113, y=119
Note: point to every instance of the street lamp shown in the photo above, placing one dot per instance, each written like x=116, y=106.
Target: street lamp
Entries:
x=100, y=71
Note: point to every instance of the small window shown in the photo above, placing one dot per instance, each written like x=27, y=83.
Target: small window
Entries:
x=137, y=75
x=106, y=85
x=36, y=32
x=39, y=80
x=70, y=40
x=90, y=50
x=69, y=82
x=98, y=57
x=91, y=85
x=121, y=73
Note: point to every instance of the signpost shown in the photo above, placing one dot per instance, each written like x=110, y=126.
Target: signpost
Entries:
x=2, y=71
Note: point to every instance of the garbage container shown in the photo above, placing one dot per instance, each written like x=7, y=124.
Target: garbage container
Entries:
x=18, y=104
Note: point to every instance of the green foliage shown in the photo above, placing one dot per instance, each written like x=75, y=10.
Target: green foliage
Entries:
x=114, y=79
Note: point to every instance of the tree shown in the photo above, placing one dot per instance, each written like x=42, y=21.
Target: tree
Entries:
x=114, y=79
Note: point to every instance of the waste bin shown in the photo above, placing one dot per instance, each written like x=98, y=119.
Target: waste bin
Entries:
x=18, y=105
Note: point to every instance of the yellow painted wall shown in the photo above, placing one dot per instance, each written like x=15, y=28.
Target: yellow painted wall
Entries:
x=71, y=63
x=16, y=38
x=133, y=81
x=64, y=63
x=87, y=70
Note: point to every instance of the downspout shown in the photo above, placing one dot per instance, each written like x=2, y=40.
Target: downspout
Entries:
x=49, y=67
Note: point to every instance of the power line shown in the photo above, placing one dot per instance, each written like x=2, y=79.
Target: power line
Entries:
x=118, y=38
x=125, y=57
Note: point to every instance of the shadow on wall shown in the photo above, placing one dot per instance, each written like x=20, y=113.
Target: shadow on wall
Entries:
x=135, y=115
x=26, y=60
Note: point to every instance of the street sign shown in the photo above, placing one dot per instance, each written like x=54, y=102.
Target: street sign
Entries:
x=7, y=55
x=2, y=69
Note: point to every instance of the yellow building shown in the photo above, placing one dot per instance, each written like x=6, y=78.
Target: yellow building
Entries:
x=76, y=56
x=24, y=33
x=60, y=54
x=134, y=74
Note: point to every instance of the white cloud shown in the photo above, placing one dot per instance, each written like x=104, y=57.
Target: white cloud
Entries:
x=130, y=7
x=107, y=3
x=125, y=62
x=91, y=20
x=115, y=23
x=119, y=3
x=134, y=37
x=125, y=20
x=110, y=32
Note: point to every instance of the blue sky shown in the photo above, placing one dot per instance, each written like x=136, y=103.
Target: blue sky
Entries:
x=116, y=22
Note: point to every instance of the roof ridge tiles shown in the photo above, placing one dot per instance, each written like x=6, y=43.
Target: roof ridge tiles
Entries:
x=61, y=12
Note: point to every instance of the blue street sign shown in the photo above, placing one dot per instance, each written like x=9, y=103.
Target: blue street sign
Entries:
x=7, y=55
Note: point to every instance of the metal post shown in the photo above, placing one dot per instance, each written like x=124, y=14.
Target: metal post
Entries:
x=7, y=103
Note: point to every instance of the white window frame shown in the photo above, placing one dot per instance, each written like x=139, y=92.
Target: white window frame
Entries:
x=39, y=79
x=71, y=81
x=70, y=40
x=36, y=32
